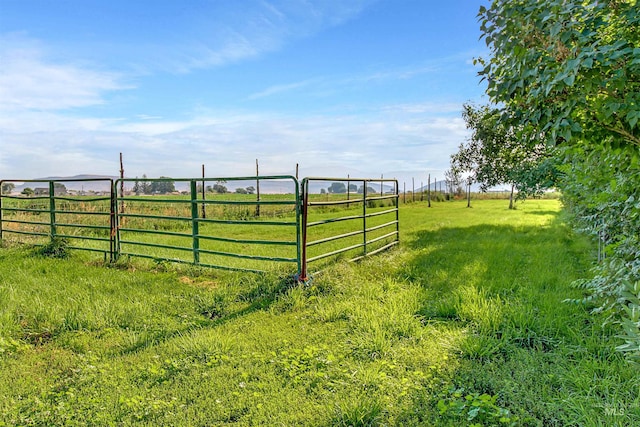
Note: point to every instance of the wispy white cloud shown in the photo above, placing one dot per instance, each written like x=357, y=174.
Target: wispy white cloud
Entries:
x=229, y=144
x=276, y=89
x=28, y=121
x=424, y=107
x=322, y=86
x=30, y=81
x=230, y=33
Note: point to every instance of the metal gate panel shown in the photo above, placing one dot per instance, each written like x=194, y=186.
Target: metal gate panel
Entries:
x=244, y=232
x=349, y=219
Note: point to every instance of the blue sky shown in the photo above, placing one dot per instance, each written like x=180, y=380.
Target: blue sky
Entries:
x=359, y=87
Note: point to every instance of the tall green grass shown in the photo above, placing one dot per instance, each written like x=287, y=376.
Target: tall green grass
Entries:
x=463, y=324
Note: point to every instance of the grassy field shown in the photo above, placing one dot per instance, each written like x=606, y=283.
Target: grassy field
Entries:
x=464, y=324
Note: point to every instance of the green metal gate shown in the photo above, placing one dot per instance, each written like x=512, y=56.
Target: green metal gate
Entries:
x=358, y=218
x=51, y=212
x=245, y=232
x=290, y=225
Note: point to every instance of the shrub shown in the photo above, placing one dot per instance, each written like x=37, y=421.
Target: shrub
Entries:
x=56, y=248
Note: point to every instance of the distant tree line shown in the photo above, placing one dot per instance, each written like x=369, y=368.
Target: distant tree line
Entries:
x=220, y=188
x=341, y=188
x=144, y=186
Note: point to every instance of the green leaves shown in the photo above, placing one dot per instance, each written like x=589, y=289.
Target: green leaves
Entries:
x=497, y=153
x=474, y=407
x=567, y=60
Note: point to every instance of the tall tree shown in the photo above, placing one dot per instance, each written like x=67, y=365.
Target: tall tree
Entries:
x=163, y=187
x=453, y=179
x=219, y=187
x=136, y=186
x=59, y=189
x=145, y=185
x=337, y=187
x=496, y=154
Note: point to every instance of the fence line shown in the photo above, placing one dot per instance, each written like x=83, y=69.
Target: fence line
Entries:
x=124, y=224
x=53, y=214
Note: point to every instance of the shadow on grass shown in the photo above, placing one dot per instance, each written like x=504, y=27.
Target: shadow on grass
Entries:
x=449, y=257
x=504, y=286
x=258, y=297
x=483, y=274
x=542, y=213
x=256, y=293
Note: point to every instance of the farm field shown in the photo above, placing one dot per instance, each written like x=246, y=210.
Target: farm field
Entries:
x=463, y=324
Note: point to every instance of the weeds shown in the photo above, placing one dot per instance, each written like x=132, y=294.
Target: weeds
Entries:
x=56, y=248
x=474, y=408
x=364, y=412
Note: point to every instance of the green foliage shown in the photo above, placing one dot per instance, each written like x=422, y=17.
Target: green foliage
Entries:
x=142, y=186
x=337, y=188
x=475, y=408
x=602, y=194
x=364, y=412
x=569, y=72
x=56, y=248
x=9, y=346
x=565, y=68
x=153, y=187
x=162, y=187
x=631, y=323
x=7, y=187
x=497, y=154
x=27, y=191
x=219, y=188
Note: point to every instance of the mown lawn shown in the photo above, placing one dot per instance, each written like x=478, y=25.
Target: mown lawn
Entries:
x=464, y=324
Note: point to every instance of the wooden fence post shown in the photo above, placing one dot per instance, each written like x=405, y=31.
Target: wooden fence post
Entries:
x=257, y=189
